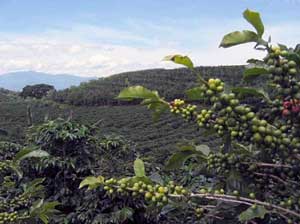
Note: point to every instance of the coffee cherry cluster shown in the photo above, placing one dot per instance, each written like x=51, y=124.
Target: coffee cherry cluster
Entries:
x=8, y=217
x=273, y=137
x=215, y=85
x=283, y=70
x=21, y=201
x=232, y=117
x=203, y=118
x=212, y=90
x=178, y=106
x=223, y=163
x=199, y=212
x=153, y=193
x=291, y=107
x=217, y=162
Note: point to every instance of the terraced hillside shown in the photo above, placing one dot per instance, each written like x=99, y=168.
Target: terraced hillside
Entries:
x=154, y=140
x=170, y=83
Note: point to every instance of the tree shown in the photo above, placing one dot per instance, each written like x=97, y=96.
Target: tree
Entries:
x=37, y=91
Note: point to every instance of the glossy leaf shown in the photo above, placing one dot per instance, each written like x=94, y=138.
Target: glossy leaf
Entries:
x=238, y=37
x=249, y=91
x=254, y=72
x=139, y=168
x=195, y=93
x=157, y=105
x=92, y=182
x=179, y=59
x=156, y=177
x=241, y=149
x=137, y=92
x=283, y=47
x=254, y=19
x=203, y=149
x=44, y=210
x=29, y=153
x=180, y=157
x=250, y=213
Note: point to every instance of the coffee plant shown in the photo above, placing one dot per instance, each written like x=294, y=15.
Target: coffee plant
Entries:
x=72, y=155
x=255, y=170
x=76, y=151
x=21, y=201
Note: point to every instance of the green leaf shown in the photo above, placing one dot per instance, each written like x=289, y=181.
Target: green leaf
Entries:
x=44, y=210
x=250, y=213
x=137, y=92
x=241, y=149
x=283, y=47
x=187, y=151
x=50, y=205
x=139, y=168
x=195, y=93
x=150, y=98
x=29, y=153
x=16, y=168
x=34, y=187
x=238, y=37
x=203, y=149
x=125, y=214
x=157, y=105
x=249, y=91
x=22, y=153
x=91, y=182
x=178, y=159
x=254, y=72
x=156, y=178
x=254, y=19
x=179, y=59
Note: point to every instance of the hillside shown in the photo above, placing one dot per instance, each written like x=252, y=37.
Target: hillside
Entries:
x=17, y=80
x=170, y=83
x=154, y=140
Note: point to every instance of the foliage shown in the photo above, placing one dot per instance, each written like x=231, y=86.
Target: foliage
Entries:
x=257, y=165
x=153, y=140
x=75, y=152
x=72, y=155
x=19, y=198
x=37, y=91
x=8, y=150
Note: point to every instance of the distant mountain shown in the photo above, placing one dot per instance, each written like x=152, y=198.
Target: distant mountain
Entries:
x=17, y=80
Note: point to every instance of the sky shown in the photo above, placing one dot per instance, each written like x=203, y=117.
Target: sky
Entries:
x=105, y=37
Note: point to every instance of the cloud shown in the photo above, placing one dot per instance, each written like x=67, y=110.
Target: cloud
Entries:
x=100, y=51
